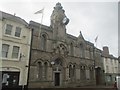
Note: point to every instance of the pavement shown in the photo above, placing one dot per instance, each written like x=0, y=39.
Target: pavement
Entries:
x=97, y=86
x=69, y=88
x=78, y=88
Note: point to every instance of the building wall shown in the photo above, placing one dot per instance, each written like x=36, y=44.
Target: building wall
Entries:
x=99, y=68
x=111, y=69
x=0, y=49
x=60, y=59
x=21, y=63
x=49, y=55
x=0, y=39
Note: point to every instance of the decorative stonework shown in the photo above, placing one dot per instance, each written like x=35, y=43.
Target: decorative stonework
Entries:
x=74, y=53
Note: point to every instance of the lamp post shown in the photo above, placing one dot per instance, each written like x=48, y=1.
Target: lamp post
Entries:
x=52, y=63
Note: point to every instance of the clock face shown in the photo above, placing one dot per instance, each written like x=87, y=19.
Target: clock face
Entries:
x=64, y=20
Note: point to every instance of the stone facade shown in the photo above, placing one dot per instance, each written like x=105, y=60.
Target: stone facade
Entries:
x=15, y=38
x=60, y=59
x=111, y=66
x=99, y=69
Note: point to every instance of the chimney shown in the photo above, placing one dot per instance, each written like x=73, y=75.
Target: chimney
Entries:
x=106, y=51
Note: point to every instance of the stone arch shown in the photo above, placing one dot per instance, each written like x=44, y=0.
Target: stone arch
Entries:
x=84, y=65
x=45, y=70
x=83, y=71
x=73, y=64
x=46, y=61
x=61, y=58
x=70, y=63
x=44, y=33
x=70, y=70
x=71, y=41
x=90, y=67
x=38, y=60
x=63, y=44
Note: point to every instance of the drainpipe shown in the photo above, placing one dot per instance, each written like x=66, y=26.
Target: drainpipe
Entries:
x=30, y=57
x=94, y=63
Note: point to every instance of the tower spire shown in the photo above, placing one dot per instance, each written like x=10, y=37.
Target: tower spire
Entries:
x=59, y=22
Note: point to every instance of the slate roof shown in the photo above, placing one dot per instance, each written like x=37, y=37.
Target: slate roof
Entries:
x=4, y=15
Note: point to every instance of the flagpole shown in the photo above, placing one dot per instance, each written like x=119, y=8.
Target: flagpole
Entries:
x=41, y=24
x=96, y=41
x=39, y=31
x=96, y=44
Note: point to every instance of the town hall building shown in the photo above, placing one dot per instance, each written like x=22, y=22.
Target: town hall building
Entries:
x=58, y=59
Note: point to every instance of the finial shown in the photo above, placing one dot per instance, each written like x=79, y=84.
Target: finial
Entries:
x=58, y=6
x=80, y=33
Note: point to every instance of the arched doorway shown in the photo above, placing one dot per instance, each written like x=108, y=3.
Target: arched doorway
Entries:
x=58, y=72
x=98, y=75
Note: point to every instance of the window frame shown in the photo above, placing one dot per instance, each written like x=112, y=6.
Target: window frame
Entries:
x=8, y=31
x=14, y=52
x=6, y=53
x=17, y=32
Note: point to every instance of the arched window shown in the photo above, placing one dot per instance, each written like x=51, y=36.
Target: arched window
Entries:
x=91, y=72
x=45, y=70
x=40, y=70
x=81, y=50
x=74, y=71
x=71, y=49
x=70, y=71
x=82, y=73
x=43, y=42
x=58, y=62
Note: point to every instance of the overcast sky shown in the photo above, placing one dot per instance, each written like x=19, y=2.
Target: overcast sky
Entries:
x=90, y=17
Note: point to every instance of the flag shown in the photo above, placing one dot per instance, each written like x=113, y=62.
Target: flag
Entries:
x=96, y=39
x=40, y=11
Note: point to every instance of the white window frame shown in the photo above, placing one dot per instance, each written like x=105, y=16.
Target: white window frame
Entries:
x=17, y=33
x=6, y=29
x=14, y=52
x=6, y=52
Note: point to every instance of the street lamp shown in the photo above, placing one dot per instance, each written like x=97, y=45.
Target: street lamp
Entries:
x=52, y=63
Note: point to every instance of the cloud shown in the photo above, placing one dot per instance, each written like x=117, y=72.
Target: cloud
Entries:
x=92, y=18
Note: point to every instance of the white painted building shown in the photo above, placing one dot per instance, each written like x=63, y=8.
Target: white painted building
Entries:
x=110, y=66
x=15, y=39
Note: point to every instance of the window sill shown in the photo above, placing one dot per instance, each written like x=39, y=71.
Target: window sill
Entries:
x=7, y=59
x=19, y=38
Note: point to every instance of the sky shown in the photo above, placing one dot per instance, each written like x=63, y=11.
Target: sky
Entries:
x=93, y=18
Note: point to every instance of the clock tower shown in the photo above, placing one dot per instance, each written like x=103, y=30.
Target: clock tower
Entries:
x=59, y=22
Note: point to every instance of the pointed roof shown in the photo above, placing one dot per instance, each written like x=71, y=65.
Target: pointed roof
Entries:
x=81, y=36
